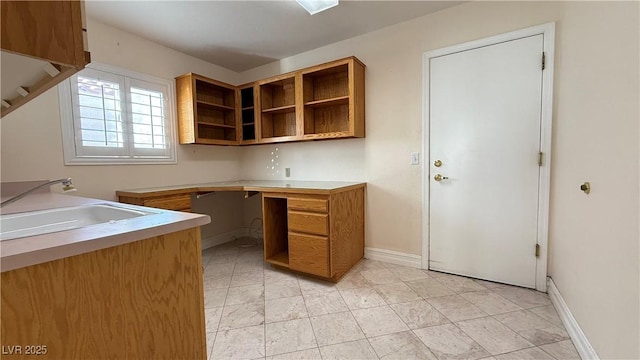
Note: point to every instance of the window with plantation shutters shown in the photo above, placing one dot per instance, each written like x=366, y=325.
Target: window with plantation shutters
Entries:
x=112, y=115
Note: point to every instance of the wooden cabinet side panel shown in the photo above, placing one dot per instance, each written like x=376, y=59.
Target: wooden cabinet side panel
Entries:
x=347, y=230
x=257, y=111
x=43, y=29
x=77, y=13
x=357, y=102
x=186, y=109
x=299, y=102
x=142, y=300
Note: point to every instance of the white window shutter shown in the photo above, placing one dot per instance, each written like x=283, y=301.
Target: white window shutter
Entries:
x=113, y=115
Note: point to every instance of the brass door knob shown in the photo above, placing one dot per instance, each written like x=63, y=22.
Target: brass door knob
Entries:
x=437, y=163
x=439, y=177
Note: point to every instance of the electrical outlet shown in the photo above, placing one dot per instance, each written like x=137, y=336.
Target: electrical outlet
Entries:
x=415, y=158
x=287, y=172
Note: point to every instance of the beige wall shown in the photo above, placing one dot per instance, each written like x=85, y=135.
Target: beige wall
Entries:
x=593, y=239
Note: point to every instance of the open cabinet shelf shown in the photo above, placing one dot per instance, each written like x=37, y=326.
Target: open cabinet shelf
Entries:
x=341, y=100
x=248, y=114
x=276, y=244
x=332, y=95
x=206, y=111
x=278, y=107
x=320, y=102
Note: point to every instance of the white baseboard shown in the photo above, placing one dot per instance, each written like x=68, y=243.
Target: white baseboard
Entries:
x=212, y=241
x=393, y=257
x=575, y=332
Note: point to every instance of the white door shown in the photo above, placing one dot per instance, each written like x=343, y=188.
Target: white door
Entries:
x=484, y=118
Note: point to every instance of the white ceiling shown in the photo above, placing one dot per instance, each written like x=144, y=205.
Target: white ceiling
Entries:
x=241, y=35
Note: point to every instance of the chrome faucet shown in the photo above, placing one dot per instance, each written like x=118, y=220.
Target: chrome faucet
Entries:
x=66, y=186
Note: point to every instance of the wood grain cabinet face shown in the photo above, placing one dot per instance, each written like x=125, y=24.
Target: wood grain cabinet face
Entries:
x=140, y=300
x=309, y=228
x=309, y=254
x=50, y=30
x=178, y=202
x=308, y=204
x=309, y=223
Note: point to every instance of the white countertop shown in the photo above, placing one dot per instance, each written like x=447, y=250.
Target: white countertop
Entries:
x=18, y=253
x=249, y=185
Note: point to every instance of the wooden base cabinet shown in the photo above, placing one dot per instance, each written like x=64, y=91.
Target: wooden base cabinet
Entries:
x=140, y=300
x=320, y=235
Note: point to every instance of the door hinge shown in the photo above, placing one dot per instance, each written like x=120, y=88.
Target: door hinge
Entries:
x=544, y=60
x=540, y=158
x=537, y=250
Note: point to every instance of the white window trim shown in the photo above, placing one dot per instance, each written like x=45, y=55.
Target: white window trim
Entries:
x=68, y=127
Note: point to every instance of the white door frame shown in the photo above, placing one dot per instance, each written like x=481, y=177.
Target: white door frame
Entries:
x=548, y=32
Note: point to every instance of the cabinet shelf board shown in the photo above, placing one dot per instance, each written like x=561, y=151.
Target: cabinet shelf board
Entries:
x=247, y=108
x=246, y=124
x=279, y=109
x=281, y=259
x=341, y=100
x=217, y=106
x=277, y=139
x=327, y=135
x=201, y=140
x=216, y=125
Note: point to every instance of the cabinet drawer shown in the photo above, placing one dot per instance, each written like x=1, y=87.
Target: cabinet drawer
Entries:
x=309, y=254
x=315, y=205
x=176, y=202
x=308, y=222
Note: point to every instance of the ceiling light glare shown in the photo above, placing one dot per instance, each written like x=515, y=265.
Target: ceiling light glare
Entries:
x=316, y=6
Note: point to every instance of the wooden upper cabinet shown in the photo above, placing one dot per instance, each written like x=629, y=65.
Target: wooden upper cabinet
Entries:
x=49, y=30
x=326, y=101
x=43, y=43
x=278, y=115
x=333, y=100
x=207, y=111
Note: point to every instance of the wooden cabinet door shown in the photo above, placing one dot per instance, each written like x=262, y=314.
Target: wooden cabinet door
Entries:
x=309, y=254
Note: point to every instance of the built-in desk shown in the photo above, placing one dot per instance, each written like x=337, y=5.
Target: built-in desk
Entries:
x=313, y=227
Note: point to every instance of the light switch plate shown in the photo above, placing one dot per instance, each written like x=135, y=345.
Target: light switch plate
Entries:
x=287, y=172
x=415, y=158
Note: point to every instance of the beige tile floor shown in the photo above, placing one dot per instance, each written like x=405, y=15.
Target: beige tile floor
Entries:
x=377, y=311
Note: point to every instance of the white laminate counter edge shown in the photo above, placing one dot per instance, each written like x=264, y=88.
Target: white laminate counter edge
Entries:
x=18, y=253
